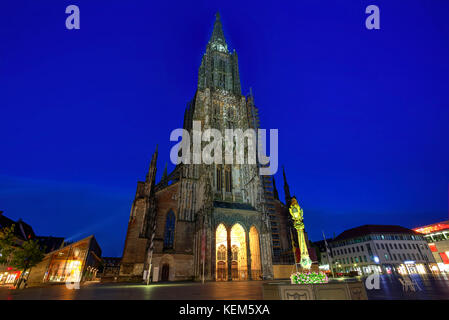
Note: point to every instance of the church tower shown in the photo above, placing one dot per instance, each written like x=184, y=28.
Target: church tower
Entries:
x=209, y=220
x=136, y=243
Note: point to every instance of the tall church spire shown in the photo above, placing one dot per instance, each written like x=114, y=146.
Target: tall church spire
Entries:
x=164, y=175
x=151, y=175
x=286, y=188
x=219, y=68
x=217, y=40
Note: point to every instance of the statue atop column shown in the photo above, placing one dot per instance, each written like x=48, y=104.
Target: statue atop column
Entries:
x=297, y=216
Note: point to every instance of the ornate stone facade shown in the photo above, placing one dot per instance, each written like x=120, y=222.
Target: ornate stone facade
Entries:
x=174, y=223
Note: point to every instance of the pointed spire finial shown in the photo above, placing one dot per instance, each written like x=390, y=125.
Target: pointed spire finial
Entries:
x=164, y=175
x=217, y=39
x=275, y=190
x=152, y=168
x=286, y=188
x=154, y=157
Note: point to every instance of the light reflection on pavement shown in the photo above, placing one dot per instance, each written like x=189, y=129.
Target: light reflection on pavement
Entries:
x=430, y=287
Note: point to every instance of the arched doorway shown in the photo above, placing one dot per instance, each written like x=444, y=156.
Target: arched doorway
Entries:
x=235, y=262
x=238, y=248
x=221, y=263
x=221, y=248
x=165, y=272
x=256, y=269
x=235, y=270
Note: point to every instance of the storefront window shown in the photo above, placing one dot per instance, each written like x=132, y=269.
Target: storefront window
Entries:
x=67, y=265
x=421, y=269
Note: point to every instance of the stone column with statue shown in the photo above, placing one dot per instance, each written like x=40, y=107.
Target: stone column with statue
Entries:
x=297, y=215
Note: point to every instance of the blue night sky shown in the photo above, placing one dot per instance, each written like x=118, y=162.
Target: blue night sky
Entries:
x=362, y=114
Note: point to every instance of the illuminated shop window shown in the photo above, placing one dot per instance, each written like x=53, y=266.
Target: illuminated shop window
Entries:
x=421, y=269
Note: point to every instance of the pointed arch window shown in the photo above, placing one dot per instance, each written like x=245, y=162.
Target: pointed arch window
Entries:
x=219, y=179
x=169, y=233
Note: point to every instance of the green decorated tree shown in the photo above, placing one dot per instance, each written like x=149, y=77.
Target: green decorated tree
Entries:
x=26, y=257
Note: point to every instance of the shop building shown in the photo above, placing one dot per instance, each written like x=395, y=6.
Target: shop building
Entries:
x=76, y=262
x=383, y=249
x=322, y=253
x=111, y=269
x=437, y=237
x=50, y=243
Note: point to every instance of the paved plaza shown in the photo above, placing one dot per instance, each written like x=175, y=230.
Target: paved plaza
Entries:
x=428, y=287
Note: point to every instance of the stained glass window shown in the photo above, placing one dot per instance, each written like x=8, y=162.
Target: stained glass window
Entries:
x=169, y=236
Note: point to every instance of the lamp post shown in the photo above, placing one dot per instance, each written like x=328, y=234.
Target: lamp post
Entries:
x=297, y=216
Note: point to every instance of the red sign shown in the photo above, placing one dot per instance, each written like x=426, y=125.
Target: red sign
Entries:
x=444, y=257
x=433, y=228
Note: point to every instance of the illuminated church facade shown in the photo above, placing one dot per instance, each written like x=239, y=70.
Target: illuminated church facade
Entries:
x=216, y=220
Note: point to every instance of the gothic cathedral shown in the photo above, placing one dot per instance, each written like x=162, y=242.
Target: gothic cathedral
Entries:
x=200, y=219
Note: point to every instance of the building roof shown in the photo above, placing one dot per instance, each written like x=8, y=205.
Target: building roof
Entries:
x=373, y=229
x=111, y=261
x=5, y=222
x=112, y=258
x=431, y=228
x=93, y=245
x=25, y=230
x=50, y=243
x=22, y=230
